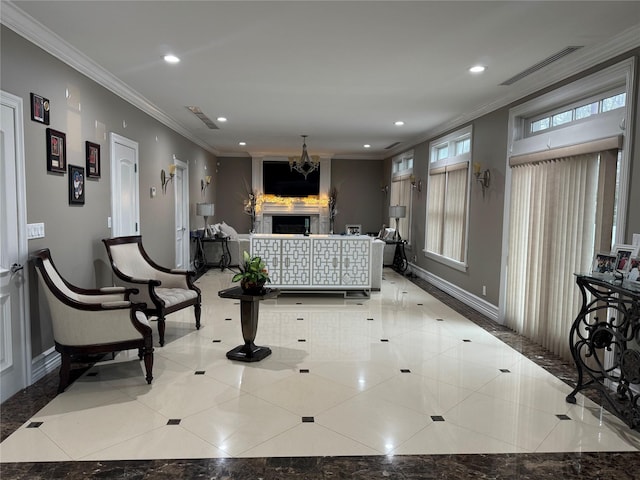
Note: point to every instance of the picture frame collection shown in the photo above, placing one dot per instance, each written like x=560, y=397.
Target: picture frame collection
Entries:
x=622, y=260
x=57, y=153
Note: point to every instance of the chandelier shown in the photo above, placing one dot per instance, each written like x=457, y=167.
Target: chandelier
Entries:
x=305, y=164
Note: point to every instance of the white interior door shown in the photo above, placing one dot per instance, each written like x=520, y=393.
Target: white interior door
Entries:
x=15, y=351
x=125, y=200
x=181, y=182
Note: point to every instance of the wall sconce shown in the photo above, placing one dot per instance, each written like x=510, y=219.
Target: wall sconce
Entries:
x=483, y=177
x=164, y=179
x=204, y=183
x=385, y=189
x=415, y=184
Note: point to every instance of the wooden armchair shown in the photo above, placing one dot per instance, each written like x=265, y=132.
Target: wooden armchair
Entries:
x=163, y=290
x=87, y=322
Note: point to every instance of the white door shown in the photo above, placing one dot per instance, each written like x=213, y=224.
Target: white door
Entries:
x=182, y=214
x=15, y=351
x=125, y=201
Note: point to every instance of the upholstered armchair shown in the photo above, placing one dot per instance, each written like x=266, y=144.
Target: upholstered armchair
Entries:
x=163, y=290
x=88, y=322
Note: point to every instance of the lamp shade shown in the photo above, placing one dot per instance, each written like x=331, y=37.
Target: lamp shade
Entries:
x=397, y=211
x=204, y=209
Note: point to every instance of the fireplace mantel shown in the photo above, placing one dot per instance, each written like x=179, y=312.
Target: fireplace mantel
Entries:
x=319, y=214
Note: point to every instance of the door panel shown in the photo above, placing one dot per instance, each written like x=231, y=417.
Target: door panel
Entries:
x=125, y=208
x=14, y=351
x=182, y=215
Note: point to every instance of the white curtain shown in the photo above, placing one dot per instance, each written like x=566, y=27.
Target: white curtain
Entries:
x=453, y=239
x=447, y=211
x=435, y=212
x=551, y=236
x=401, y=195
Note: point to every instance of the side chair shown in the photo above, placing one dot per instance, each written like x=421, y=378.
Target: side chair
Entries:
x=163, y=290
x=92, y=321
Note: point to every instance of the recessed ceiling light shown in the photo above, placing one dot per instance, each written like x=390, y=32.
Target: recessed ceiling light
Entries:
x=366, y=145
x=477, y=69
x=399, y=123
x=242, y=144
x=171, y=59
x=222, y=119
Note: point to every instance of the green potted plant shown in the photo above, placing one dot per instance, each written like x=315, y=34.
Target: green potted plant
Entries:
x=253, y=274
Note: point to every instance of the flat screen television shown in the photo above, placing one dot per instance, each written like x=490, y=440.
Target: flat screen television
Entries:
x=278, y=179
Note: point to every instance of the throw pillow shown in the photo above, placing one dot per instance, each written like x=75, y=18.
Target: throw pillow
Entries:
x=229, y=231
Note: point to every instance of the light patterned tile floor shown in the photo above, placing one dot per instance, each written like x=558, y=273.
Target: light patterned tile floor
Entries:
x=373, y=376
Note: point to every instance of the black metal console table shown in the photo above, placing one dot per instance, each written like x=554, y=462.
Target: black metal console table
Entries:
x=609, y=321
x=200, y=262
x=400, y=262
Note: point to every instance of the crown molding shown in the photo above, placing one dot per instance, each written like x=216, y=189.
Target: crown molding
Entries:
x=580, y=61
x=32, y=30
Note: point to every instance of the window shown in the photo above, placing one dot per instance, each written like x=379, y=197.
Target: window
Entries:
x=599, y=104
x=400, y=193
x=448, y=199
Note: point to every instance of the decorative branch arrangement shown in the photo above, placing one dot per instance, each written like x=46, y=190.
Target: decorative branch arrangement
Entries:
x=333, y=211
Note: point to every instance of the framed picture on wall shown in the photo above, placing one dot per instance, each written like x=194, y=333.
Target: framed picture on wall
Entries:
x=56, y=151
x=93, y=160
x=39, y=109
x=76, y=185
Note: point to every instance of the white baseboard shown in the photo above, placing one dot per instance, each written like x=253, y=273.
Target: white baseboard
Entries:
x=44, y=364
x=478, y=304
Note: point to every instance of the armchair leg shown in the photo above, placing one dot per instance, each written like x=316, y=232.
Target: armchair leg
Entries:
x=161, y=327
x=198, y=310
x=65, y=368
x=148, y=364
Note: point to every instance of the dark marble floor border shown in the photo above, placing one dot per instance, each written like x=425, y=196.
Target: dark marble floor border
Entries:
x=567, y=466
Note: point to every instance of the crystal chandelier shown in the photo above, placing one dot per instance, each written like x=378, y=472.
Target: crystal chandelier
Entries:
x=306, y=164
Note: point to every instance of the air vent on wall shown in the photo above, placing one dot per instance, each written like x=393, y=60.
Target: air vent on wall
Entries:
x=542, y=64
x=389, y=147
x=206, y=120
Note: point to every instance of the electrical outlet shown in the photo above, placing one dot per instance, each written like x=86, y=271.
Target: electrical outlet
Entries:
x=484, y=290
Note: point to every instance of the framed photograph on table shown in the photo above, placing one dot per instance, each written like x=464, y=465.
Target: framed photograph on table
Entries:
x=76, y=185
x=39, y=109
x=353, y=229
x=604, y=264
x=93, y=160
x=56, y=151
x=624, y=254
x=634, y=269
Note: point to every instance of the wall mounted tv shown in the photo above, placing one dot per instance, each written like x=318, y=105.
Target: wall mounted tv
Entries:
x=278, y=179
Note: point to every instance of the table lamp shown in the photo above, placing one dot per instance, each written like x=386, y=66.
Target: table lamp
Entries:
x=397, y=212
x=205, y=210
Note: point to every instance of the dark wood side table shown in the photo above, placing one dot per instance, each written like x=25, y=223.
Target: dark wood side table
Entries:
x=249, y=304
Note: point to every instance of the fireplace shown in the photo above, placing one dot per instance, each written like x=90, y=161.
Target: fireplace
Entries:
x=290, y=223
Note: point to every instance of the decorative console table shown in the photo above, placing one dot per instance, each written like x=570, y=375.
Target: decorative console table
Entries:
x=249, y=305
x=604, y=342
x=318, y=263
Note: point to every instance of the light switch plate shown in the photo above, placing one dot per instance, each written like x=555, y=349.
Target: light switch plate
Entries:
x=35, y=230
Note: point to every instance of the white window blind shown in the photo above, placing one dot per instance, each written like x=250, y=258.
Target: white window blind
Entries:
x=552, y=230
x=401, y=195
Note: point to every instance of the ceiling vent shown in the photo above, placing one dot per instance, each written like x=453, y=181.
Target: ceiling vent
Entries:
x=540, y=65
x=389, y=147
x=206, y=120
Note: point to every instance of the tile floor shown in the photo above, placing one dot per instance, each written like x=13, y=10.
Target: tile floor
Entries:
x=398, y=374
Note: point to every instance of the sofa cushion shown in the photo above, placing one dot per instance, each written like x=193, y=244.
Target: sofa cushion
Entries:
x=228, y=231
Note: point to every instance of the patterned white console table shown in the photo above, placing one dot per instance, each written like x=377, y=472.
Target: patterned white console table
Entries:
x=316, y=262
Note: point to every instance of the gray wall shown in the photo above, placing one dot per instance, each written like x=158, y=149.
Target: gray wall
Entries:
x=486, y=214
x=360, y=200
x=234, y=184
x=74, y=233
